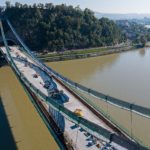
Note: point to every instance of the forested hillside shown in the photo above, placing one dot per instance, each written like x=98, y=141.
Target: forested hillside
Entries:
x=61, y=27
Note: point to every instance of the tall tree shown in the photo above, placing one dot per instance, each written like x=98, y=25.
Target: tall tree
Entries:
x=8, y=4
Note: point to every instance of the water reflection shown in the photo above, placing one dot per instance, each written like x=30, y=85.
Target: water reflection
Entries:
x=142, y=52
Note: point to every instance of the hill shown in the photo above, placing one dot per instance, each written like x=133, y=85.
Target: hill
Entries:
x=61, y=27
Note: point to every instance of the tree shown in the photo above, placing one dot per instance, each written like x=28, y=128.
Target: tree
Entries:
x=34, y=5
x=143, y=40
x=8, y=4
x=25, y=6
x=40, y=5
x=1, y=9
x=17, y=5
x=48, y=5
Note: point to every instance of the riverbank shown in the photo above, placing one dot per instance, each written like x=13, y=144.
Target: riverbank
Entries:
x=84, y=53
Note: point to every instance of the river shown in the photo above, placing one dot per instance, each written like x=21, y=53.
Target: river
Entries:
x=123, y=75
x=21, y=127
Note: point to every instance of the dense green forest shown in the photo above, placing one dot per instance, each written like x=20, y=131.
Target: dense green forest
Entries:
x=61, y=27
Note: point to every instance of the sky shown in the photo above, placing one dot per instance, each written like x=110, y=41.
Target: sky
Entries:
x=106, y=6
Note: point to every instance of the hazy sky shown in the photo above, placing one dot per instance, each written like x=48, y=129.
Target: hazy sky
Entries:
x=107, y=6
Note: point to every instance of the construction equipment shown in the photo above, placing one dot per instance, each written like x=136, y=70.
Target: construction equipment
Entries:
x=78, y=112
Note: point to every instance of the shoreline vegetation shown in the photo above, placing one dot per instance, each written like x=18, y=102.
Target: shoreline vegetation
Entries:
x=85, y=53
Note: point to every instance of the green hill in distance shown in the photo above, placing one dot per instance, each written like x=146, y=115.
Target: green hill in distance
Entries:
x=61, y=27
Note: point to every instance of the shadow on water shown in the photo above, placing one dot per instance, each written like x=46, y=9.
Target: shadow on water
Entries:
x=7, y=141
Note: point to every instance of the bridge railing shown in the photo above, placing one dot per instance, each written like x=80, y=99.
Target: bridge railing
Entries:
x=85, y=124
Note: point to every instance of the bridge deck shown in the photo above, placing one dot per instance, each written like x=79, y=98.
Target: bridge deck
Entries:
x=81, y=142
